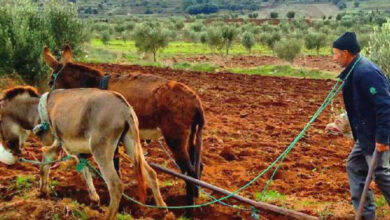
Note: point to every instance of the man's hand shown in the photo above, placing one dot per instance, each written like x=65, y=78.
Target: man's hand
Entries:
x=382, y=147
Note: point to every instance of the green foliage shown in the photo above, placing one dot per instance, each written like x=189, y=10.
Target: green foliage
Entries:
x=274, y=14
x=203, y=37
x=288, y=49
x=201, y=67
x=221, y=38
x=364, y=40
x=127, y=26
x=191, y=35
x=229, y=34
x=315, y=41
x=379, y=47
x=24, y=182
x=254, y=15
x=151, y=37
x=197, y=27
x=206, y=8
x=271, y=195
x=356, y=4
x=125, y=36
x=283, y=71
x=215, y=39
x=105, y=37
x=342, y=5
x=339, y=16
x=64, y=26
x=290, y=14
x=248, y=40
x=26, y=28
x=102, y=26
x=270, y=39
x=78, y=210
x=179, y=25
x=124, y=217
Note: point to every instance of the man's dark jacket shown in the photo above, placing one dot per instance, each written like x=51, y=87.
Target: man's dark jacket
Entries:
x=367, y=101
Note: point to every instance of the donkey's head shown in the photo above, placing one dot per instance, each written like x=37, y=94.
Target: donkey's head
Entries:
x=67, y=74
x=14, y=119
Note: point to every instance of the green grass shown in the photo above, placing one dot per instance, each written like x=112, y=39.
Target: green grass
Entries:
x=381, y=205
x=270, y=195
x=284, y=70
x=97, y=55
x=168, y=183
x=177, y=48
x=118, y=49
x=78, y=210
x=24, y=182
x=124, y=217
x=202, y=67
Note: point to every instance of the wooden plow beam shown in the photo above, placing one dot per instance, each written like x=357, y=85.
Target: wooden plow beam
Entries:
x=260, y=205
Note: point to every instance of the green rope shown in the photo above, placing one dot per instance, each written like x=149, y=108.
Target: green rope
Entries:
x=35, y=162
x=200, y=188
x=55, y=76
x=335, y=90
x=43, y=127
x=81, y=164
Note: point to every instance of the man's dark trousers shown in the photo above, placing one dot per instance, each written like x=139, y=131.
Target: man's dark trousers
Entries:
x=357, y=169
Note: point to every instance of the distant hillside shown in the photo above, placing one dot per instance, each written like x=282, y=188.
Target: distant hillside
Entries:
x=308, y=8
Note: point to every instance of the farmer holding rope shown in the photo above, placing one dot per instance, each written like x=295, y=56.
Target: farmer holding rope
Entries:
x=366, y=95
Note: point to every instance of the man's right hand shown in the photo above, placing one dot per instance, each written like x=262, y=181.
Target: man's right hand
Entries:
x=382, y=147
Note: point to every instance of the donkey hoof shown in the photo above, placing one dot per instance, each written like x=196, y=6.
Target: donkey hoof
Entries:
x=196, y=192
x=43, y=193
x=95, y=204
x=169, y=215
x=188, y=213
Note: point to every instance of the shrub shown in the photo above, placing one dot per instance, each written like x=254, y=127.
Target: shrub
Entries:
x=150, y=38
x=26, y=28
x=288, y=49
x=248, y=40
x=379, y=47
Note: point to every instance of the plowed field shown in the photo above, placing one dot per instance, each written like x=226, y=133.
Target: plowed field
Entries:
x=250, y=121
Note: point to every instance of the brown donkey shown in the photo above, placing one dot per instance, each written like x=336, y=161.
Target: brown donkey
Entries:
x=82, y=121
x=160, y=104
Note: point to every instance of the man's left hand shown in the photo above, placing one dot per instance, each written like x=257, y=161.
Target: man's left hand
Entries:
x=382, y=147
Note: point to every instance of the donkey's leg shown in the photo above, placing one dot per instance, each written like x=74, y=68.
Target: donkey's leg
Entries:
x=134, y=150
x=151, y=178
x=192, y=152
x=178, y=145
x=182, y=158
x=103, y=154
x=48, y=153
x=91, y=188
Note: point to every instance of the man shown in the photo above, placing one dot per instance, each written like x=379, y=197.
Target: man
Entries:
x=367, y=101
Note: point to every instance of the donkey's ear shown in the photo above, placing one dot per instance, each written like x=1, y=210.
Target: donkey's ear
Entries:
x=49, y=58
x=67, y=55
